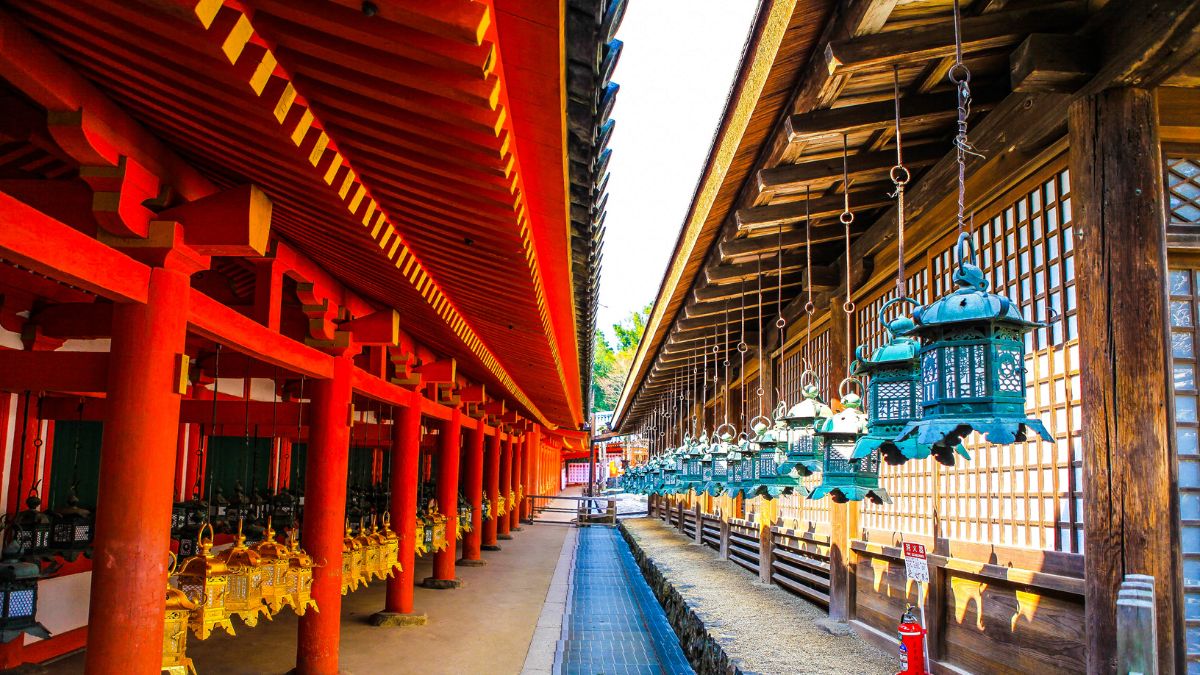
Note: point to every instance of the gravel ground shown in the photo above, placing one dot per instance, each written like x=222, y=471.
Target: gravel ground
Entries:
x=763, y=628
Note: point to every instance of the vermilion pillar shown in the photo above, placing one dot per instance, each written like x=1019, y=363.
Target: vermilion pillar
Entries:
x=491, y=477
x=505, y=523
x=514, y=516
x=447, y=496
x=473, y=479
x=324, y=518
x=406, y=454
x=133, y=517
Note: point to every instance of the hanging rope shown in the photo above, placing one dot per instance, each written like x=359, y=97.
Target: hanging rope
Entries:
x=300, y=420
x=900, y=177
x=24, y=438
x=847, y=218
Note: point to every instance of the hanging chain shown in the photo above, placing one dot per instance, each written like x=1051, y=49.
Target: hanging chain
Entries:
x=213, y=424
x=809, y=307
x=960, y=76
x=761, y=362
x=900, y=178
x=847, y=218
x=780, y=323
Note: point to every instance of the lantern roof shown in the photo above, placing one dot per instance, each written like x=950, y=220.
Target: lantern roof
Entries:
x=971, y=302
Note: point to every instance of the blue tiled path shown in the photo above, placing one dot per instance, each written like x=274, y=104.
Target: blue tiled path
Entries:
x=613, y=624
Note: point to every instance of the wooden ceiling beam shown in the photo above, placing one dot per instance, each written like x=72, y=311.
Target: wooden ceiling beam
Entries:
x=732, y=249
x=727, y=274
x=979, y=33
x=716, y=292
x=914, y=110
x=774, y=215
x=821, y=174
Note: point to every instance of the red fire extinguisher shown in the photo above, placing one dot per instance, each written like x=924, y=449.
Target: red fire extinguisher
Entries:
x=912, y=645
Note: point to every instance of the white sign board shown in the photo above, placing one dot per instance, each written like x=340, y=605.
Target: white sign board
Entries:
x=915, y=562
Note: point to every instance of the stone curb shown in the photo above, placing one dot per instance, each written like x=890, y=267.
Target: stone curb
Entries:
x=703, y=650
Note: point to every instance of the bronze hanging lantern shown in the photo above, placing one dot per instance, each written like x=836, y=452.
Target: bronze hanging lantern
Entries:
x=351, y=562
x=846, y=477
x=803, y=454
x=972, y=364
x=71, y=531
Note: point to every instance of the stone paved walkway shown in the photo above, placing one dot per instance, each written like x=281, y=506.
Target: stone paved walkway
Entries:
x=613, y=624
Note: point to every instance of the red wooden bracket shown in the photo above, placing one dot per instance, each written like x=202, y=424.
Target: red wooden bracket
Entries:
x=440, y=372
x=119, y=194
x=377, y=328
x=234, y=222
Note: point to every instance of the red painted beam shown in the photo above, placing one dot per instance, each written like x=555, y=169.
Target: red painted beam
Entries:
x=53, y=371
x=217, y=322
x=36, y=241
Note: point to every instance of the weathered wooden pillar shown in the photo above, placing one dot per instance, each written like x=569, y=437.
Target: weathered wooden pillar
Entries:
x=406, y=456
x=843, y=518
x=133, y=521
x=473, y=478
x=766, y=544
x=324, y=518
x=1130, y=499
x=699, y=523
x=491, y=477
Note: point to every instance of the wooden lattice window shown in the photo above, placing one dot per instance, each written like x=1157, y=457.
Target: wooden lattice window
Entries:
x=1026, y=494
x=1184, y=289
x=1183, y=189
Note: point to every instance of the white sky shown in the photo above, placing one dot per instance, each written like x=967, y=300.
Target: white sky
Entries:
x=676, y=67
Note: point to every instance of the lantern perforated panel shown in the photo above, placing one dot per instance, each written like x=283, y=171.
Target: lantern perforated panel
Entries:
x=1025, y=494
x=20, y=603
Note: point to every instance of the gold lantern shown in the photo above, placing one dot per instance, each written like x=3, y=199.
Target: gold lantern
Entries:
x=244, y=598
x=369, y=563
x=299, y=577
x=178, y=608
x=351, y=563
x=205, y=576
x=420, y=545
x=500, y=505
x=439, y=527
x=390, y=558
x=273, y=559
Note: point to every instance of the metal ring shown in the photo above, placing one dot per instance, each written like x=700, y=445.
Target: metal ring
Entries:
x=846, y=217
x=742, y=346
x=759, y=392
x=809, y=307
x=848, y=307
x=897, y=171
x=850, y=380
x=780, y=322
x=959, y=73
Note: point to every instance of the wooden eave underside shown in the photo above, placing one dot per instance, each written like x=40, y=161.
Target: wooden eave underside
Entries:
x=845, y=91
x=412, y=105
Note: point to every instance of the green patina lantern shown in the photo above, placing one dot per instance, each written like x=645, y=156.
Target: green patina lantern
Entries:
x=846, y=477
x=693, y=474
x=670, y=472
x=717, y=471
x=894, y=395
x=803, y=454
x=656, y=475
x=972, y=363
x=773, y=475
x=736, y=486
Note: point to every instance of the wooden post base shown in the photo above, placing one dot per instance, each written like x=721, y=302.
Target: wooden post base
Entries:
x=441, y=584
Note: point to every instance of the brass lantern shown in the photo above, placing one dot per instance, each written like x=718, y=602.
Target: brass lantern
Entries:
x=244, y=597
x=972, y=363
x=380, y=567
x=188, y=519
x=204, y=576
x=438, y=541
x=179, y=608
x=369, y=554
x=486, y=507
x=391, y=548
x=273, y=558
x=423, y=535
x=351, y=562
x=300, y=577
x=464, y=517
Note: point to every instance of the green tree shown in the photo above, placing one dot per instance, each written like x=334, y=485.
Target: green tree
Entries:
x=610, y=367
